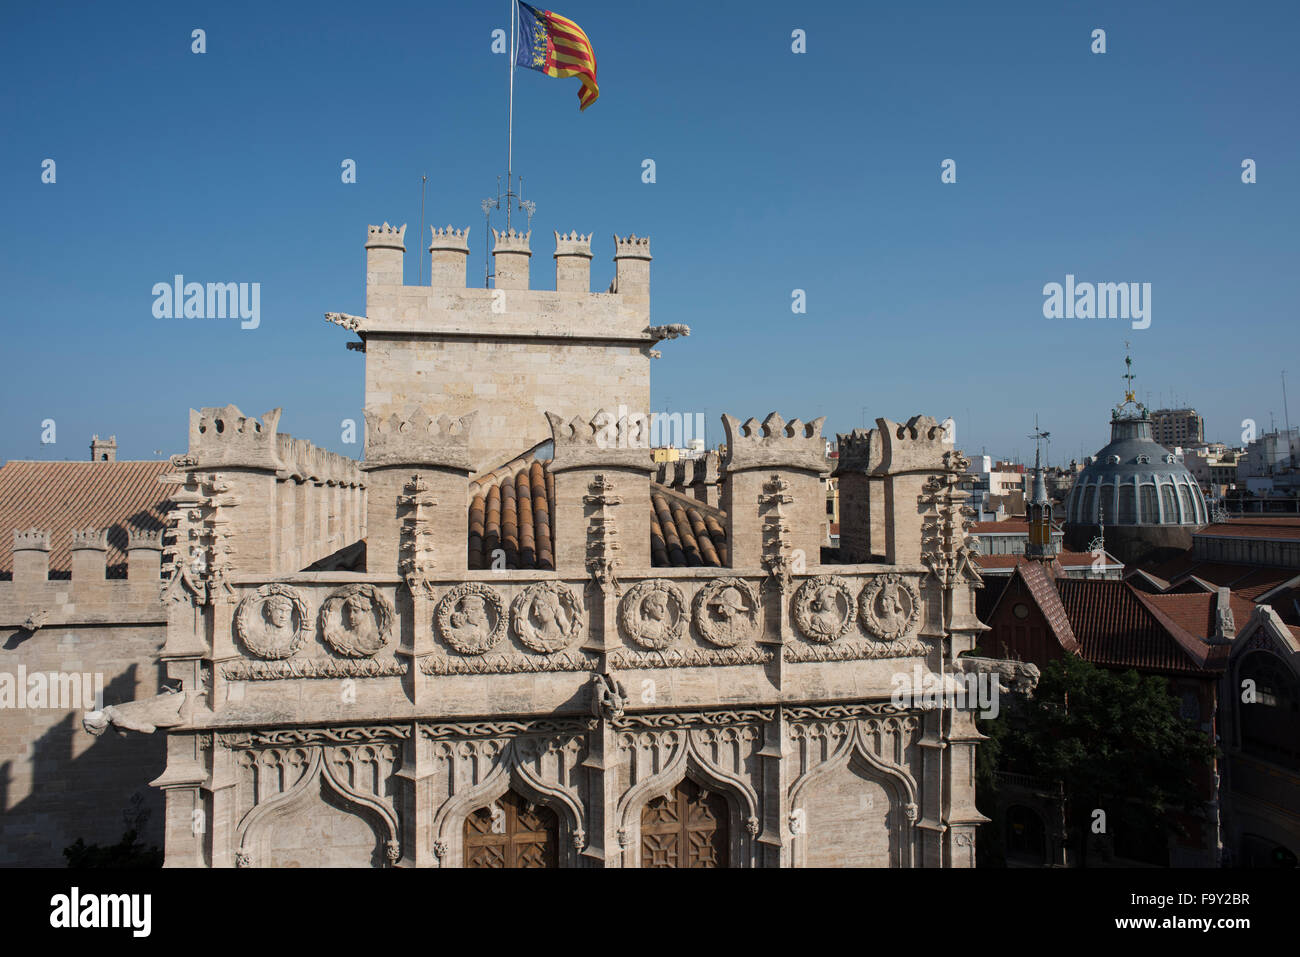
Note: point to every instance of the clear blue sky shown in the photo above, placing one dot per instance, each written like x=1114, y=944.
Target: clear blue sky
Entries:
x=775, y=171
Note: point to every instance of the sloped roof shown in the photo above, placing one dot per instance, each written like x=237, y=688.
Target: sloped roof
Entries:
x=511, y=509
x=59, y=497
x=1040, y=584
x=1117, y=626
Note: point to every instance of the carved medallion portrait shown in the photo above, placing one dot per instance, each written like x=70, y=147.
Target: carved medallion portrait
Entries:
x=270, y=621
x=824, y=608
x=546, y=616
x=890, y=607
x=653, y=613
x=357, y=621
x=471, y=618
x=728, y=612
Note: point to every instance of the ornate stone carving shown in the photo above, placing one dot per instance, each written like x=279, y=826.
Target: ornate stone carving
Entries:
x=824, y=608
x=505, y=728
x=166, y=710
x=270, y=622
x=243, y=859
x=856, y=650
x=608, y=697
x=890, y=607
x=751, y=825
x=490, y=664
x=357, y=621
x=687, y=719
x=653, y=613
x=352, y=734
x=440, y=849
x=691, y=657
x=313, y=668
x=393, y=851
x=546, y=617
x=471, y=618
x=728, y=612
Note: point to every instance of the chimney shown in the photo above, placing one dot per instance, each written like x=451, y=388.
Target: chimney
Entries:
x=510, y=259
x=385, y=248
x=31, y=556
x=448, y=255
x=103, y=450
x=573, y=262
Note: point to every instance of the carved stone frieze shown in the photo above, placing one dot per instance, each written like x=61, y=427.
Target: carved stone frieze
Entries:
x=492, y=664
x=856, y=650
x=691, y=657
x=471, y=618
x=546, y=617
x=687, y=719
x=353, y=734
x=357, y=621
x=313, y=668
x=270, y=622
x=728, y=612
x=653, y=613
x=496, y=729
x=824, y=608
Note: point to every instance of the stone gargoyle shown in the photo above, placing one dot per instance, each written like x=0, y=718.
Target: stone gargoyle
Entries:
x=146, y=715
x=1014, y=676
x=608, y=696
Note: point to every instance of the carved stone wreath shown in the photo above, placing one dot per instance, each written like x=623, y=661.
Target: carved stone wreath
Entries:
x=266, y=637
x=456, y=623
x=824, y=608
x=737, y=608
x=649, y=631
x=357, y=621
x=558, y=607
x=890, y=606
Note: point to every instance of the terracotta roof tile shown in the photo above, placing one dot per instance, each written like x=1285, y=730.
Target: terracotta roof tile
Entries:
x=61, y=496
x=511, y=509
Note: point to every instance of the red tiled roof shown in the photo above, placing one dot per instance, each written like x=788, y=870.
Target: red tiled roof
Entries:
x=684, y=532
x=511, y=507
x=1116, y=627
x=1040, y=585
x=1263, y=526
x=1007, y=526
x=1067, y=558
x=59, y=497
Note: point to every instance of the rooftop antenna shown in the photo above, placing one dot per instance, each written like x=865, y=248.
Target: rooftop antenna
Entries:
x=1286, y=410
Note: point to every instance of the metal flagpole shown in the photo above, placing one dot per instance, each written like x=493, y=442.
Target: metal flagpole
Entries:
x=510, y=112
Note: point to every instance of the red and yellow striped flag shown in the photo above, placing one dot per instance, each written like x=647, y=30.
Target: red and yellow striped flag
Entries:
x=556, y=46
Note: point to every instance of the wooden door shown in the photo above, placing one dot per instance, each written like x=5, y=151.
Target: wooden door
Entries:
x=511, y=832
x=687, y=828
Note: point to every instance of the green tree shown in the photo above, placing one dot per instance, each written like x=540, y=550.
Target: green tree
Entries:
x=1115, y=740
x=128, y=853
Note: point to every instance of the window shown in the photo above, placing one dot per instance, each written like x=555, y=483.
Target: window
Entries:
x=1189, y=513
x=1150, y=513
x=1127, y=505
x=1170, y=506
x=1088, y=513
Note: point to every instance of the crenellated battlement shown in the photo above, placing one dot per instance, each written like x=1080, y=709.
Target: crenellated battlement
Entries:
x=774, y=442
x=225, y=437
x=605, y=431
x=449, y=238
x=511, y=241
x=918, y=444
x=32, y=540
x=416, y=438
x=631, y=247
x=386, y=237
x=859, y=451
x=90, y=539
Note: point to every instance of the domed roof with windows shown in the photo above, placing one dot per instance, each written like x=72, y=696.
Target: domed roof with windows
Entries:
x=1134, y=481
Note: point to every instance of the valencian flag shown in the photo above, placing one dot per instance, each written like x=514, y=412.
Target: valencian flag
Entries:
x=556, y=46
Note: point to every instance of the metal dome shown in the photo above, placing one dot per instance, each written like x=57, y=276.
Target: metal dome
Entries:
x=1134, y=481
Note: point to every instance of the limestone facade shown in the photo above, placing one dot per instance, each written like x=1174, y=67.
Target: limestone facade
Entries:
x=409, y=710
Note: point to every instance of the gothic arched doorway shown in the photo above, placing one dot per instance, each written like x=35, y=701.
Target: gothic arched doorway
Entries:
x=685, y=828
x=511, y=832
